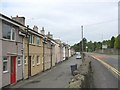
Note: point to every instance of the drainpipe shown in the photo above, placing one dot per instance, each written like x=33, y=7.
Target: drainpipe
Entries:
x=43, y=56
x=51, y=55
x=29, y=73
x=23, y=60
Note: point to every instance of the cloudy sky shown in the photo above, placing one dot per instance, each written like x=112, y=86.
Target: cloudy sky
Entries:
x=63, y=18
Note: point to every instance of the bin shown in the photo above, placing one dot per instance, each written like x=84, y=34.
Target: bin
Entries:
x=73, y=68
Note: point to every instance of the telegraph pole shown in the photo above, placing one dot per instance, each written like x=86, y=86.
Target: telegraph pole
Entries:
x=82, y=41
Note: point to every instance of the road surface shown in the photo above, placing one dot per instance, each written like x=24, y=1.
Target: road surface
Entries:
x=104, y=77
x=57, y=77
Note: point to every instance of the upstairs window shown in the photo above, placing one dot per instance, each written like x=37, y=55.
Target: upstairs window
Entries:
x=31, y=39
x=8, y=32
x=38, y=41
x=12, y=34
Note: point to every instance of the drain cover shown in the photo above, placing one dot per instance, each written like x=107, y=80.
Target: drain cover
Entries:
x=34, y=81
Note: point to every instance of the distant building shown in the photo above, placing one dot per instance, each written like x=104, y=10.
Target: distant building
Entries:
x=104, y=46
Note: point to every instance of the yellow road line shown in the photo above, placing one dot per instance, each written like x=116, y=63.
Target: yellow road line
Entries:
x=110, y=67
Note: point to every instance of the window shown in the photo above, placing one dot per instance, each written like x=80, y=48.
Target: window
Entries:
x=19, y=60
x=33, y=62
x=38, y=60
x=8, y=32
x=38, y=41
x=25, y=60
x=12, y=34
x=5, y=64
x=33, y=38
x=30, y=39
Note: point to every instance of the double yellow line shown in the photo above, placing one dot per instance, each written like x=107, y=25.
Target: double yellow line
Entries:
x=107, y=65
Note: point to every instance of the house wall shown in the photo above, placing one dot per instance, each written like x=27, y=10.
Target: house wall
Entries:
x=25, y=55
x=34, y=50
x=20, y=68
x=66, y=52
x=63, y=53
x=1, y=66
x=57, y=53
x=53, y=56
x=10, y=48
x=47, y=56
x=69, y=52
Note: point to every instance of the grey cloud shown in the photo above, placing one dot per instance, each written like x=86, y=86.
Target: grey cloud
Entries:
x=63, y=18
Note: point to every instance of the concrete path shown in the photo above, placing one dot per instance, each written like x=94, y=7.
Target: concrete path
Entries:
x=57, y=77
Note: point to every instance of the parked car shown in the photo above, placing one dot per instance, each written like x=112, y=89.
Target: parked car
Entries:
x=78, y=57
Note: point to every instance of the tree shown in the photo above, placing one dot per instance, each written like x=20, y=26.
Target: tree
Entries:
x=117, y=42
x=95, y=45
x=99, y=45
x=78, y=47
x=112, y=42
x=90, y=46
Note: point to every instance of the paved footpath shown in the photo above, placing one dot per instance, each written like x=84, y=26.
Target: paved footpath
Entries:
x=104, y=77
x=57, y=77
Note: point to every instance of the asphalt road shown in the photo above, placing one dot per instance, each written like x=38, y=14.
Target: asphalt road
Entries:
x=110, y=59
x=57, y=77
x=103, y=77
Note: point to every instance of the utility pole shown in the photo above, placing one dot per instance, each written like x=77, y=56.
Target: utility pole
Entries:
x=82, y=41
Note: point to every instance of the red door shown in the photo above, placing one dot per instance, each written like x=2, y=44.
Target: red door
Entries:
x=13, y=70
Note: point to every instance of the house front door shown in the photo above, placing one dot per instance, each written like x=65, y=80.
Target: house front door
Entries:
x=13, y=70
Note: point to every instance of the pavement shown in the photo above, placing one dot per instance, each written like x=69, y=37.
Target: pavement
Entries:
x=57, y=77
x=103, y=67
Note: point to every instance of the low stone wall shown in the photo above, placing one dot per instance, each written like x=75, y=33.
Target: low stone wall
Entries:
x=108, y=51
x=82, y=78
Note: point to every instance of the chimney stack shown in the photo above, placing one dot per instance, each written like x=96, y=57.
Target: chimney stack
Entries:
x=42, y=31
x=50, y=35
x=35, y=28
x=19, y=19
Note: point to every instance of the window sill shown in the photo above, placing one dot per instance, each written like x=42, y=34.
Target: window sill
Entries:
x=5, y=72
x=33, y=65
x=38, y=64
x=35, y=45
x=19, y=65
x=8, y=40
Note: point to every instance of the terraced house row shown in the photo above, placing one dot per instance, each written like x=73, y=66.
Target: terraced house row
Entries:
x=25, y=52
